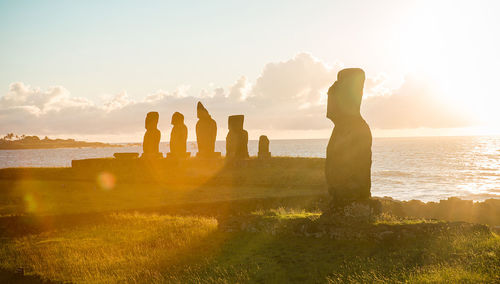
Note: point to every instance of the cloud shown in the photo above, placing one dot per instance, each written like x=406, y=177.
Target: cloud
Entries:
x=240, y=90
x=301, y=79
x=38, y=102
x=287, y=96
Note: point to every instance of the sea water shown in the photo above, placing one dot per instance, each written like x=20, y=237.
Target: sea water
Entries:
x=424, y=168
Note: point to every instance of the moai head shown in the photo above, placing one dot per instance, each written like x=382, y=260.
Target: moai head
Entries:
x=263, y=140
x=235, y=122
x=263, y=144
x=177, y=118
x=344, y=96
x=152, y=120
x=201, y=111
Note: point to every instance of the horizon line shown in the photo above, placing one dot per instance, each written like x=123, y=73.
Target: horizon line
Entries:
x=377, y=137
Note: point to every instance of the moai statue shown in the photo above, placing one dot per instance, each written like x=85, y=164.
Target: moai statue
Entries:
x=178, y=137
x=349, y=155
x=206, y=133
x=151, y=142
x=236, y=139
x=264, y=147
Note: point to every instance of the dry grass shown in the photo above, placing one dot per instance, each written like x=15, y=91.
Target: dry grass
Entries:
x=125, y=247
x=158, y=249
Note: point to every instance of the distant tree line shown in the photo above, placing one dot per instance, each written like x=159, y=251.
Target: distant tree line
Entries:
x=14, y=141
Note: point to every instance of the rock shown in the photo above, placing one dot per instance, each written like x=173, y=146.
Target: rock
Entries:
x=354, y=213
x=349, y=156
x=150, y=145
x=236, y=139
x=19, y=271
x=178, y=137
x=206, y=133
x=386, y=235
x=496, y=229
x=264, y=147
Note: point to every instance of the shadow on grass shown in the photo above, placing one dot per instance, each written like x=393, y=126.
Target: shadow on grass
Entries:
x=421, y=252
x=271, y=246
x=20, y=225
x=10, y=277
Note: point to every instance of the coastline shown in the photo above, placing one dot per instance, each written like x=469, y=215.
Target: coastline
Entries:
x=76, y=145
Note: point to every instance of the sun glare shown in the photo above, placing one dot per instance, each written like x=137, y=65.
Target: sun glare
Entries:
x=443, y=47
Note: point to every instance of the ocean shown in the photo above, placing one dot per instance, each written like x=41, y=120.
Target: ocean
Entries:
x=423, y=168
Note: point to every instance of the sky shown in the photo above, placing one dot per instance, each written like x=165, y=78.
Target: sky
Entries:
x=91, y=70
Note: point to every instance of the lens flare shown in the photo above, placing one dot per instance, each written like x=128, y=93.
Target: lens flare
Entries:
x=106, y=180
x=30, y=202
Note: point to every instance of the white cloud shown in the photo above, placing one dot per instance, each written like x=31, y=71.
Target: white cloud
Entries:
x=287, y=96
x=240, y=90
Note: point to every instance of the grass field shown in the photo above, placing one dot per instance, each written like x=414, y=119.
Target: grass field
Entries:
x=230, y=229
x=159, y=248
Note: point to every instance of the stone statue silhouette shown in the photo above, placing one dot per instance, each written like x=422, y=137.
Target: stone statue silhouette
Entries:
x=178, y=137
x=349, y=155
x=264, y=147
x=236, y=139
x=206, y=132
x=151, y=142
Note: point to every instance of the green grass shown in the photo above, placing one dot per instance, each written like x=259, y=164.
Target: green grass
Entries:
x=282, y=213
x=158, y=248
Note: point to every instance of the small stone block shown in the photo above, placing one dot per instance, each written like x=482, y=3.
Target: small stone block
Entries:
x=130, y=155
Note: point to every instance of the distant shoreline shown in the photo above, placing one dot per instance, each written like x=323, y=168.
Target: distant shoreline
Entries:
x=86, y=145
x=12, y=141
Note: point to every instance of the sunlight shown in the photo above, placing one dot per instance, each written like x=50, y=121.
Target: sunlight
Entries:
x=31, y=202
x=106, y=180
x=439, y=44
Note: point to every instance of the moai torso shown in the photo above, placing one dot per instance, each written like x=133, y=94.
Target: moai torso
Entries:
x=178, y=136
x=237, y=138
x=151, y=142
x=264, y=147
x=206, y=131
x=349, y=156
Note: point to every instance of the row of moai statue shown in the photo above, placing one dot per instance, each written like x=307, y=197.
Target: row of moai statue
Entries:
x=348, y=157
x=206, y=134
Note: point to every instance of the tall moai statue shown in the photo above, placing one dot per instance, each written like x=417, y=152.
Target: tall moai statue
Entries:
x=178, y=137
x=206, y=133
x=349, y=155
x=264, y=147
x=151, y=142
x=236, y=139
